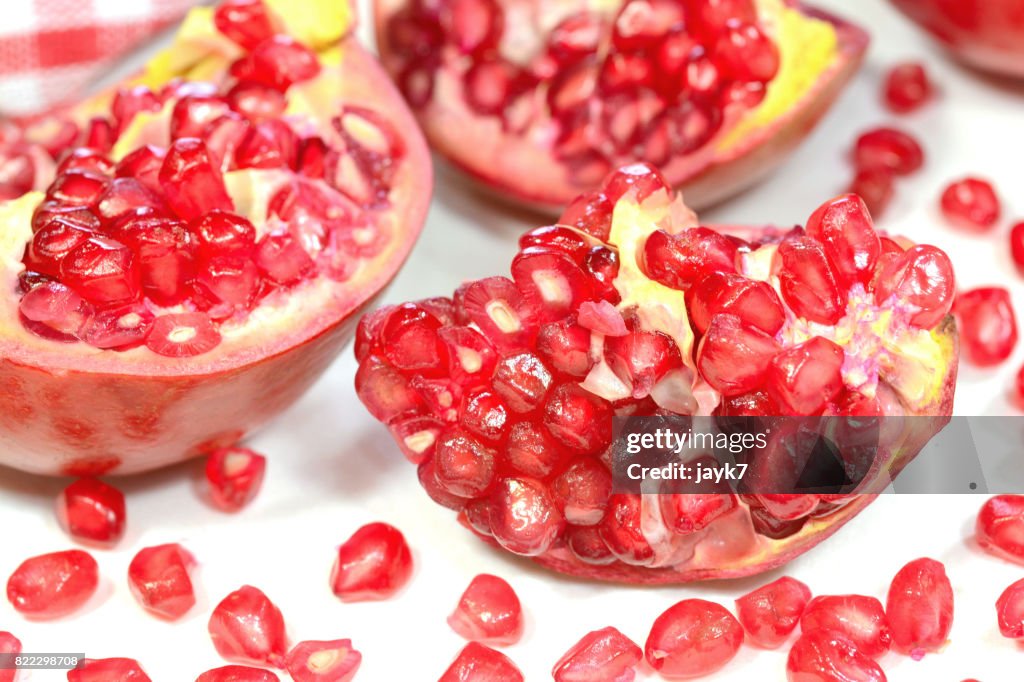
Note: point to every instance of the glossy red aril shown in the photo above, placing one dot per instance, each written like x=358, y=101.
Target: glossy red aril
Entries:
x=375, y=563
x=479, y=663
x=160, y=580
x=9, y=644
x=923, y=276
x=693, y=638
x=604, y=655
x=1017, y=245
x=488, y=612
x=105, y=669
x=988, y=325
x=906, y=87
x=888, y=149
x=92, y=512
x=1010, y=611
x=802, y=379
x=53, y=585
x=237, y=673
x=244, y=21
x=1000, y=527
x=920, y=608
x=683, y=259
x=828, y=656
x=234, y=477
x=248, y=628
x=331, y=661
x=862, y=620
x=770, y=613
x=971, y=203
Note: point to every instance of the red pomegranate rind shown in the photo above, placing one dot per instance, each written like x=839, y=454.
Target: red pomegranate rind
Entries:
x=237, y=673
x=920, y=608
x=53, y=585
x=92, y=512
x=374, y=564
x=770, y=613
x=1000, y=527
x=104, y=669
x=479, y=662
x=588, y=88
x=160, y=580
x=602, y=655
x=488, y=612
x=146, y=406
x=333, y=661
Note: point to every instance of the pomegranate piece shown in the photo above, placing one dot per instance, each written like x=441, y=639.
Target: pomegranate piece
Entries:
x=333, y=661
x=488, y=612
x=246, y=627
x=244, y=21
x=374, y=564
x=53, y=585
x=988, y=325
x=9, y=644
x=1010, y=611
x=234, y=477
x=159, y=579
x=1000, y=527
x=907, y=87
x=105, y=669
x=971, y=204
x=828, y=656
x=693, y=638
x=92, y=512
x=770, y=613
x=920, y=608
x=237, y=673
x=604, y=655
x=479, y=663
x=888, y=149
x=859, y=619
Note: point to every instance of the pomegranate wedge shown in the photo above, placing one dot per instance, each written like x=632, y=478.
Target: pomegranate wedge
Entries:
x=540, y=100
x=504, y=394
x=188, y=273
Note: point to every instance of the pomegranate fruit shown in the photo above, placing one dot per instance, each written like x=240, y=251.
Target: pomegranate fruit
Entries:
x=107, y=669
x=829, y=656
x=770, y=613
x=53, y=585
x=987, y=323
x=234, y=477
x=248, y=628
x=1000, y=527
x=92, y=512
x=160, y=580
x=375, y=563
x=9, y=644
x=859, y=619
x=504, y=395
x=920, y=608
x=693, y=638
x=540, y=100
x=1010, y=609
x=488, y=612
x=907, y=87
x=188, y=274
x=334, y=661
x=238, y=673
x=479, y=663
x=987, y=34
x=604, y=655
x=971, y=204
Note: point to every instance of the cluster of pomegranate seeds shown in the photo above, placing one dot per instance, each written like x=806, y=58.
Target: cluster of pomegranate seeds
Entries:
x=107, y=669
x=148, y=250
x=999, y=528
x=907, y=87
x=375, y=563
x=160, y=580
x=972, y=204
x=9, y=644
x=879, y=156
x=1010, y=610
x=53, y=585
x=92, y=512
x=693, y=638
x=479, y=663
x=488, y=612
x=655, y=79
x=770, y=613
x=988, y=325
x=238, y=673
x=247, y=627
x=332, y=661
x=233, y=477
x=920, y=608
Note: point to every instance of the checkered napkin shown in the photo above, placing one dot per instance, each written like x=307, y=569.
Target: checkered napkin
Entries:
x=51, y=50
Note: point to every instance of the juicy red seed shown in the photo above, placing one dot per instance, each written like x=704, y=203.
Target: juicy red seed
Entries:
x=569, y=242
x=808, y=283
x=770, y=613
x=278, y=62
x=92, y=512
x=922, y=277
x=1017, y=245
x=192, y=115
x=463, y=465
x=550, y=281
x=748, y=405
x=745, y=53
x=586, y=544
x=787, y=507
x=754, y=302
x=103, y=271
x=488, y=612
x=472, y=25
x=9, y=644
x=159, y=579
x=591, y=214
x=98, y=134
x=282, y=260
x=565, y=347
x=531, y=451
x=683, y=259
x=270, y=144
x=733, y=357
x=219, y=233
x=144, y=165
x=693, y=638
x=485, y=414
x=374, y=564
x=77, y=188
x=524, y=518
x=57, y=307
x=641, y=24
x=582, y=491
x=971, y=204
x=578, y=419
x=246, y=627
x=576, y=36
x=237, y=673
x=234, y=477
x=641, y=359
x=51, y=209
x=53, y=585
x=522, y=380
x=859, y=619
x=471, y=356
x=130, y=102
x=124, y=195
x=254, y=102
x=409, y=338
x=847, y=234
x=83, y=158
x=711, y=16
x=193, y=186
x=230, y=281
x=920, y=607
x=183, y=335
x=888, y=149
x=246, y=22
x=988, y=326
x=480, y=663
x=829, y=655
x=641, y=178
x=51, y=244
x=804, y=378
x=604, y=654
x=317, y=661
x=906, y=87
x=621, y=531
x=1000, y=527
x=686, y=513
x=384, y=391
x=106, y=669
x=490, y=85
x=1010, y=610
x=496, y=307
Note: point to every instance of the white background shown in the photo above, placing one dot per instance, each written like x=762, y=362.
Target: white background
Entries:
x=332, y=468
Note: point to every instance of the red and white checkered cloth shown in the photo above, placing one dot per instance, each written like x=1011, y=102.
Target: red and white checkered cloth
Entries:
x=51, y=50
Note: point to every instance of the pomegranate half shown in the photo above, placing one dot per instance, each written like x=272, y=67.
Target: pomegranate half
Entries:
x=504, y=395
x=540, y=100
x=211, y=230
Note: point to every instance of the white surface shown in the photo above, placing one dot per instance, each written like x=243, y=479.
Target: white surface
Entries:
x=332, y=468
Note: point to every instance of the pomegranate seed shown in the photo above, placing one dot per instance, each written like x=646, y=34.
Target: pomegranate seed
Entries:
x=246, y=22
x=270, y=144
x=121, y=328
x=1010, y=609
x=830, y=655
x=164, y=251
x=92, y=512
x=922, y=277
x=333, y=661
x=57, y=307
x=123, y=195
x=906, y=87
x=847, y=234
x=733, y=357
x=808, y=283
x=578, y=419
x=375, y=563
x=490, y=85
x=83, y=158
x=575, y=37
x=472, y=25
x=192, y=115
x=524, y=517
x=754, y=302
x=581, y=492
x=640, y=359
x=479, y=663
x=745, y=53
x=53, y=585
x=410, y=340
x=278, y=62
x=711, y=16
x=237, y=673
x=693, y=638
x=889, y=149
x=497, y=308
x=191, y=183
x=254, y=102
x=803, y=378
x=282, y=260
x=686, y=513
x=604, y=655
x=77, y=188
x=681, y=260
x=484, y=414
x=640, y=178
x=565, y=347
x=51, y=244
x=98, y=134
x=463, y=465
x=920, y=607
x=1000, y=527
x=234, y=477
x=159, y=580
x=770, y=613
x=103, y=271
x=1017, y=245
x=488, y=612
x=857, y=618
x=107, y=669
x=550, y=281
x=971, y=204
x=591, y=214
x=231, y=282
x=531, y=451
x=144, y=165
x=522, y=380
x=130, y=102
x=988, y=326
x=9, y=644
x=621, y=532
x=246, y=627
x=471, y=356
x=183, y=335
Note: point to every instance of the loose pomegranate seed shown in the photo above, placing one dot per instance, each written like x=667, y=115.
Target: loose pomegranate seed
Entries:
x=1010, y=610
x=237, y=673
x=92, y=512
x=1000, y=527
x=244, y=21
x=803, y=378
x=920, y=607
x=876, y=187
x=191, y=183
x=604, y=655
x=1017, y=245
x=906, y=87
x=988, y=326
x=922, y=277
x=770, y=613
x=159, y=580
x=734, y=358
x=693, y=638
x=9, y=644
x=246, y=627
x=234, y=477
x=889, y=149
x=479, y=663
x=524, y=517
x=53, y=585
x=375, y=563
x=971, y=203
x=183, y=335
x=859, y=619
x=829, y=655
x=488, y=612
x=680, y=260
x=107, y=669
x=808, y=282
x=333, y=661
